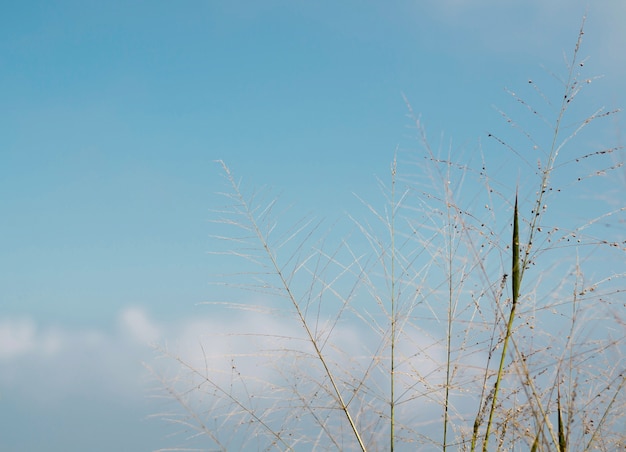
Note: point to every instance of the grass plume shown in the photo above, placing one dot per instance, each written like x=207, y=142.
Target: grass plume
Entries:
x=464, y=314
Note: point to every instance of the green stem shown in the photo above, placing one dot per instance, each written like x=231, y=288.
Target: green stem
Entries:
x=393, y=308
x=515, y=264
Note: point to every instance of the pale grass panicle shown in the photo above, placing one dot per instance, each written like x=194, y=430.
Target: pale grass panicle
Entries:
x=477, y=309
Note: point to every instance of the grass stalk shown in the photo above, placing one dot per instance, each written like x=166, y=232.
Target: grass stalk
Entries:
x=392, y=373
x=561, y=424
x=442, y=253
x=508, y=333
x=450, y=224
x=286, y=286
x=605, y=415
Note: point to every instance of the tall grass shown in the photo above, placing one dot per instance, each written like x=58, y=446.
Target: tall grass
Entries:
x=470, y=312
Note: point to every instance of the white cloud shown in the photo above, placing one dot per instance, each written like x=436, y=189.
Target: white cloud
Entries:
x=47, y=368
x=43, y=363
x=17, y=337
x=135, y=321
x=46, y=365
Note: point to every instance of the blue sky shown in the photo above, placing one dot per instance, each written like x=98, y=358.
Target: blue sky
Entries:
x=113, y=114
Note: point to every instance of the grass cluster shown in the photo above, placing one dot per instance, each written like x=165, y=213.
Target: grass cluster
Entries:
x=482, y=308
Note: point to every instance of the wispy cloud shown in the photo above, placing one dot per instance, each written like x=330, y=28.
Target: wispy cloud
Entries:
x=43, y=363
x=46, y=362
x=139, y=326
